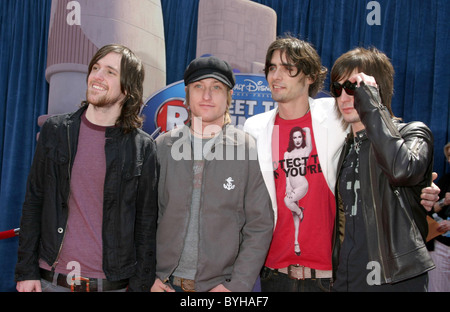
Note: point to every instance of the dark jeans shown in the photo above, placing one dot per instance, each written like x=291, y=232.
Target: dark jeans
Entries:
x=416, y=284
x=273, y=281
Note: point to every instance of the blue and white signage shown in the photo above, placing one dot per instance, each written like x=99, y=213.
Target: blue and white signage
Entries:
x=165, y=109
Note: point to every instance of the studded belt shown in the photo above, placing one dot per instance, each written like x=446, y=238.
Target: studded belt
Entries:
x=300, y=272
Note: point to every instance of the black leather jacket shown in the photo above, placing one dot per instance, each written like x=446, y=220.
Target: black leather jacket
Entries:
x=130, y=193
x=395, y=164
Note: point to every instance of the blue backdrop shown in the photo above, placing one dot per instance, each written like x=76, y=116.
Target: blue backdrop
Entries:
x=413, y=33
x=23, y=97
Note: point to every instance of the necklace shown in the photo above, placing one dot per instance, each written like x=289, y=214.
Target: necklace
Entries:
x=202, y=135
x=287, y=114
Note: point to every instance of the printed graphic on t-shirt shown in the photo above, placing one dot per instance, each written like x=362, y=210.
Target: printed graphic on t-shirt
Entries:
x=295, y=160
x=350, y=187
x=305, y=203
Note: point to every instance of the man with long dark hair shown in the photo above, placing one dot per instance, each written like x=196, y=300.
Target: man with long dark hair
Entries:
x=381, y=227
x=89, y=216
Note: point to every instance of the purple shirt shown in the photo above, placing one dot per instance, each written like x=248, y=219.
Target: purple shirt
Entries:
x=83, y=238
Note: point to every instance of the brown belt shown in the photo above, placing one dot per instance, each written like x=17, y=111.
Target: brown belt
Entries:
x=186, y=285
x=83, y=284
x=300, y=272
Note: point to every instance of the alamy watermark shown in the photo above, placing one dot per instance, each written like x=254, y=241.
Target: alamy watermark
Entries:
x=74, y=276
x=74, y=16
x=374, y=276
x=226, y=144
x=373, y=17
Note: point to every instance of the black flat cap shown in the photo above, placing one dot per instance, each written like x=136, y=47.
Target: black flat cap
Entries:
x=209, y=67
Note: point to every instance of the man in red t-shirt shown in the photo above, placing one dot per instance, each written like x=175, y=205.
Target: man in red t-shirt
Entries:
x=298, y=148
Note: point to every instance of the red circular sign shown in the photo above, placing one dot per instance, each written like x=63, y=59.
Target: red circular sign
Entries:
x=171, y=113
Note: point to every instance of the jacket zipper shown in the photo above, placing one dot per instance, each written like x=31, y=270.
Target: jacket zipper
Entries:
x=202, y=187
x=415, y=147
x=386, y=119
x=167, y=278
x=69, y=174
x=402, y=203
x=376, y=220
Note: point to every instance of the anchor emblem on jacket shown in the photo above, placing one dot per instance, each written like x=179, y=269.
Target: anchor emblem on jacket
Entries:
x=229, y=186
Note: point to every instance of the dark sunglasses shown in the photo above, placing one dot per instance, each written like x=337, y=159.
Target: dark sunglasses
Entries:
x=336, y=88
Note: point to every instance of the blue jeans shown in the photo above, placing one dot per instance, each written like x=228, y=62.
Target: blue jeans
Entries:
x=273, y=281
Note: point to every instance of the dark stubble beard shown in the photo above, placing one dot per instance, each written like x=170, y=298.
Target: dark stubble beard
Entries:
x=103, y=101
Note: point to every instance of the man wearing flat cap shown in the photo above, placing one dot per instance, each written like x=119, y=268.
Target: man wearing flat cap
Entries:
x=215, y=218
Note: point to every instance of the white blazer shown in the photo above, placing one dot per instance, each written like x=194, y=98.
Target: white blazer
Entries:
x=328, y=133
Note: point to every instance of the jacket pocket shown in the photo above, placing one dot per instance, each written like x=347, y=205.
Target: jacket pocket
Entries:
x=130, y=181
x=57, y=156
x=57, y=167
x=132, y=171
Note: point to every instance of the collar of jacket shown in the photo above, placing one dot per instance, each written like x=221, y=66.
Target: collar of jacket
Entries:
x=228, y=136
x=360, y=136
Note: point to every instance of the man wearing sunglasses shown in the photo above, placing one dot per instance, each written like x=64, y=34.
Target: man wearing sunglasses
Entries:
x=381, y=227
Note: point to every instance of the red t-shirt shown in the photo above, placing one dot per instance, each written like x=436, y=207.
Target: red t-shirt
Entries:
x=306, y=206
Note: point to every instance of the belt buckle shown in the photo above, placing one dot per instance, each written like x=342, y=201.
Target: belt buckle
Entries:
x=187, y=285
x=292, y=270
x=74, y=287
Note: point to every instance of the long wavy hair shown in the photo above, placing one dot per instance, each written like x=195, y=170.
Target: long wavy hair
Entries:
x=305, y=58
x=131, y=83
